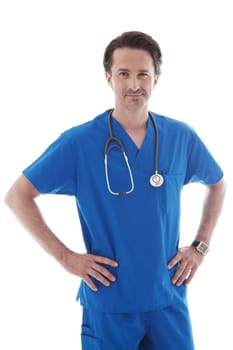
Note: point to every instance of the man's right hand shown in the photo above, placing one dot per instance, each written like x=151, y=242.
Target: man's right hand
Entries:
x=21, y=200
x=89, y=265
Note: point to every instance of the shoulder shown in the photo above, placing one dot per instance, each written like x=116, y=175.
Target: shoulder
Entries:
x=173, y=127
x=86, y=130
x=166, y=121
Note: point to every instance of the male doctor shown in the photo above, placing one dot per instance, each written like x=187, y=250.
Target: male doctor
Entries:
x=134, y=274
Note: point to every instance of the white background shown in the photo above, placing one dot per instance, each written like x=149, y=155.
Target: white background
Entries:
x=51, y=78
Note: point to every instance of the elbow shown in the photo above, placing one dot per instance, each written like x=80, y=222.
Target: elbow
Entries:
x=21, y=192
x=9, y=199
x=12, y=197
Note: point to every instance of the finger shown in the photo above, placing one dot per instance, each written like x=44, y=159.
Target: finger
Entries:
x=174, y=261
x=106, y=261
x=90, y=283
x=99, y=277
x=178, y=274
x=181, y=274
x=104, y=272
x=190, y=277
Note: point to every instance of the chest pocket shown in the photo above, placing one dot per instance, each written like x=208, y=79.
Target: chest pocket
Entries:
x=173, y=184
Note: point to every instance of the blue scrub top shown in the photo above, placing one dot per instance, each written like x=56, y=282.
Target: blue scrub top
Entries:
x=139, y=230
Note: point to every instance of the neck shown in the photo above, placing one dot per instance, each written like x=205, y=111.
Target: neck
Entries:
x=131, y=120
x=134, y=123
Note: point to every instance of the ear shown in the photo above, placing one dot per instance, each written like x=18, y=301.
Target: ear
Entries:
x=108, y=78
x=156, y=79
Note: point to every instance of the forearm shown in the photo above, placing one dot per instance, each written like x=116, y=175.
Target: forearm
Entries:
x=28, y=214
x=21, y=199
x=212, y=208
x=188, y=257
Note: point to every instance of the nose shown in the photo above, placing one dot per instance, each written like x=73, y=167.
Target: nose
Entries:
x=134, y=83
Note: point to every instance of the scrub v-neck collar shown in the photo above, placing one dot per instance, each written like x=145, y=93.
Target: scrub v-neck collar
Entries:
x=130, y=146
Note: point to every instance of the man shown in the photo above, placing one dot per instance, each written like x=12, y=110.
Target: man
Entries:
x=134, y=276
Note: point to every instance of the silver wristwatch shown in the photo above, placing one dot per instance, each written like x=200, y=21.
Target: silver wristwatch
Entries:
x=201, y=247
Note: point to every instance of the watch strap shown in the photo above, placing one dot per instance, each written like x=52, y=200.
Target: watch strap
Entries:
x=196, y=243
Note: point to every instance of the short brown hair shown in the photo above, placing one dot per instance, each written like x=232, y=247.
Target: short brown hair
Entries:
x=133, y=40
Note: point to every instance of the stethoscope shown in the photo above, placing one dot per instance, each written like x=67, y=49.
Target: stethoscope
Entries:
x=156, y=180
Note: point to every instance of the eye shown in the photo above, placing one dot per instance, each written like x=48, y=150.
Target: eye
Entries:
x=143, y=74
x=124, y=74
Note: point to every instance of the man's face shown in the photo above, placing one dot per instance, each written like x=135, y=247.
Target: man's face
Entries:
x=132, y=77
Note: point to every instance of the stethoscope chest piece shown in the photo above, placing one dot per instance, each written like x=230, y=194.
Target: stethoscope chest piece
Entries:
x=156, y=180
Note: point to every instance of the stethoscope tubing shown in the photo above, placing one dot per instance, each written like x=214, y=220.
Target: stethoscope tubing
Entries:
x=156, y=180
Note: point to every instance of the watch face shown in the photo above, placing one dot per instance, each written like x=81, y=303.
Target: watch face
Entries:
x=203, y=248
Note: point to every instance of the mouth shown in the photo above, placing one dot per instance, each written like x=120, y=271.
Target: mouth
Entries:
x=137, y=95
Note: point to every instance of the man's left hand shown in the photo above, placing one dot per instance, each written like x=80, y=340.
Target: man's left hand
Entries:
x=189, y=260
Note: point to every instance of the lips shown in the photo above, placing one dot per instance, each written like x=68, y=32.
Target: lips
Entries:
x=134, y=95
x=138, y=94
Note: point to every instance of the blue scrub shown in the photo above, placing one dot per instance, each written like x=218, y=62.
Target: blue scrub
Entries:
x=165, y=329
x=139, y=230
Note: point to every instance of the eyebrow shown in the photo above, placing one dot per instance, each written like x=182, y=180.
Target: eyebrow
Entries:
x=127, y=70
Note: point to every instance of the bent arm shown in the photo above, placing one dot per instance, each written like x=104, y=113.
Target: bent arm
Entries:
x=21, y=199
x=188, y=257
